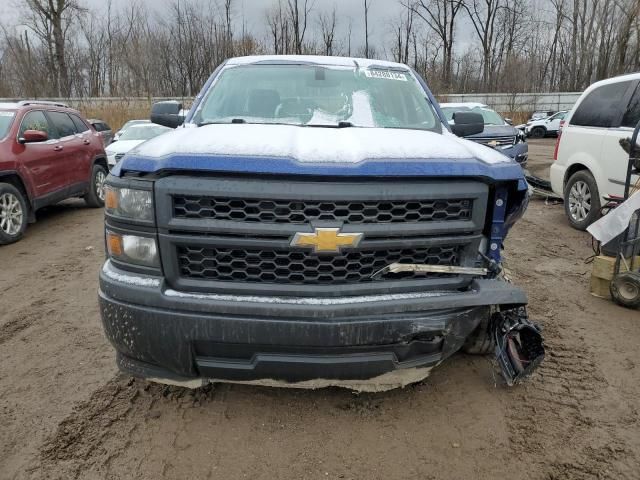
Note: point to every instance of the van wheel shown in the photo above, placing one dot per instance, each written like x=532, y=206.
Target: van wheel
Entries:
x=14, y=214
x=538, y=132
x=95, y=197
x=582, y=200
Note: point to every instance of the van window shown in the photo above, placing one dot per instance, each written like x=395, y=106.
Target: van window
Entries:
x=632, y=115
x=602, y=107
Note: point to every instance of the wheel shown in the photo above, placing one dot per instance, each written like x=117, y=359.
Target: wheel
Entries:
x=582, y=200
x=481, y=340
x=625, y=289
x=538, y=132
x=14, y=214
x=95, y=197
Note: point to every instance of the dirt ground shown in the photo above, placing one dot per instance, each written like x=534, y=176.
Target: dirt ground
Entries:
x=66, y=413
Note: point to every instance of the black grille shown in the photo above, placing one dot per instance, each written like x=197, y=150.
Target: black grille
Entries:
x=502, y=141
x=298, y=267
x=347, y=212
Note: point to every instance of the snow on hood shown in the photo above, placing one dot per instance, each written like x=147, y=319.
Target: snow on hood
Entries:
x=123, y=146
x=315, y=145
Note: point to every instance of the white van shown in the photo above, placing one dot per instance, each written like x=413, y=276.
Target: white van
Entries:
x=589, y=162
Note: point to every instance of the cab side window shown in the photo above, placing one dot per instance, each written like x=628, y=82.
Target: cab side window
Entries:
x=632, y=115
x=36, y=120
x=63, y=123
x=602, y=107
x=79, y=123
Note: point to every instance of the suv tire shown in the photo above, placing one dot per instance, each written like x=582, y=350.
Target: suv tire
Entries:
x=538, y=132
x=481, y=341
x=95, y=197
x=581, y=200
x=14, y=214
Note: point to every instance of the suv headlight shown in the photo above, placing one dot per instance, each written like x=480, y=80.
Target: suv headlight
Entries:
x=129, y=203
x=133, y=249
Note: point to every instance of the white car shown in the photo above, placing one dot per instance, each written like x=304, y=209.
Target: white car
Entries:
x=129, y=124
x=590, y=164
x=546, y=126
x=131, y=138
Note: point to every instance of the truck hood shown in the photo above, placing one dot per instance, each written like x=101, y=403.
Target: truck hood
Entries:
x=122, y=146
x=287, y=149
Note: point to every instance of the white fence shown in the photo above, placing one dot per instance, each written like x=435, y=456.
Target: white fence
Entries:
x=502, y=102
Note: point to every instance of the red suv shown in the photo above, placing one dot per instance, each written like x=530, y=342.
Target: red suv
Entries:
x=48, y=152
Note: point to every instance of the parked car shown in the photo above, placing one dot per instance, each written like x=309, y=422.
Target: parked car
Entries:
x=541, y=115
x=48, y=153
x=589, y=162
x=103, y=129
x=130, y=123
x=314, y=221
x=546, y=126
x=498, y=132
x=130, y=138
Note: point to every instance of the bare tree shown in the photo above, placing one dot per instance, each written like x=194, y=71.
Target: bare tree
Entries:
x=299, y=17
x=327, y=22
x=440, y=16
x=367, y=5
x=50, y=20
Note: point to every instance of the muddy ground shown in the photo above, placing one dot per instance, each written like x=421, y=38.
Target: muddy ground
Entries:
x=65, y=412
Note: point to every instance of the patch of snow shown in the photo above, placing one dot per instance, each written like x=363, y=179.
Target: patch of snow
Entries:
x=304, y=300
x=316, y=59
x=316, y=145
x=362, y=114
x=128, y=278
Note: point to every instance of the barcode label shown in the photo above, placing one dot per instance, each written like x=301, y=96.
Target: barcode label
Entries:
x=386, y=74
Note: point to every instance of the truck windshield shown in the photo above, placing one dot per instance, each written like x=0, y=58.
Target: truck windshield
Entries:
x=320, y=96
x=489, y=116
x=6, y=118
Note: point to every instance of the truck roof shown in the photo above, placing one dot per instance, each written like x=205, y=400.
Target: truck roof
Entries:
x=315, y=59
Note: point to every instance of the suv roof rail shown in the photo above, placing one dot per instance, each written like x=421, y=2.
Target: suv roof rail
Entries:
x=42, y=102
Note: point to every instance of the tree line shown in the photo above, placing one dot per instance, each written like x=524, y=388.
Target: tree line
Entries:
x=62, y=48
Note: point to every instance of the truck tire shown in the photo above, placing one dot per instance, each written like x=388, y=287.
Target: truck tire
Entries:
x=95, y=197
x=14, y=214
x=481, y=340
x=538, y=132
x=581, y=200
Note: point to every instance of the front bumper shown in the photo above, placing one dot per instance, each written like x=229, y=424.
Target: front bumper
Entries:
x=179, y=337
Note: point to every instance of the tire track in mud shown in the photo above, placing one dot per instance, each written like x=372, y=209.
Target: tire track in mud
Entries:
x=99, y=430
x=558, y=425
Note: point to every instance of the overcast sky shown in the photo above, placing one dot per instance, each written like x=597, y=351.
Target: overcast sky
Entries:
x=253, y=14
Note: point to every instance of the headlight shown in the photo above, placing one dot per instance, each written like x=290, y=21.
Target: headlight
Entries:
x=129, y=203
x=133, y=249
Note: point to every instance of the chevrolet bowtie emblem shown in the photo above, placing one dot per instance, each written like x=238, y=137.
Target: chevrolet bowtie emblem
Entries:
x=326, y=240
x=493, y=143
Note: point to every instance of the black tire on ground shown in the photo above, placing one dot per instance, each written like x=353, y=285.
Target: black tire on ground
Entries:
x=581, y=200
x=481, y=340
x=538, y=132
x=625, y=289
x=95, y=197
x=14, y=214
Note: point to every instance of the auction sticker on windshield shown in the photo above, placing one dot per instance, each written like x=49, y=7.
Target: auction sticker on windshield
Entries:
x=386, y=74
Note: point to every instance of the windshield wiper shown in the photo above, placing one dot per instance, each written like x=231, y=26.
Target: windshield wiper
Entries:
x=233, y=120
x=342, y=124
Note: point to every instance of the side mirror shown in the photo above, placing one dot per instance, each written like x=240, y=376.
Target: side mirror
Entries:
x=509, y=121
x=167, y=114
x=467, y=123
x=33, y=136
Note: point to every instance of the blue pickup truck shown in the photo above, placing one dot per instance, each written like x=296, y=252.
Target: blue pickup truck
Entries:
x=313, y=221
